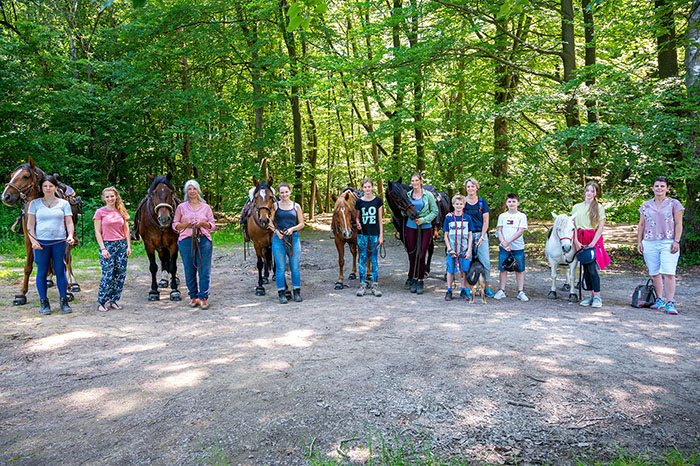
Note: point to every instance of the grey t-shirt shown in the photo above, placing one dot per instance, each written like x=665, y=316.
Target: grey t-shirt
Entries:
x=50, y=223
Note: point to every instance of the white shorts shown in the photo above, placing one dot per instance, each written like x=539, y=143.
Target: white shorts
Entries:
x=658, y=257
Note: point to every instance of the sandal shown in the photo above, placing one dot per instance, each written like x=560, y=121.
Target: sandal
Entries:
x=114, y=305
x=101, y=308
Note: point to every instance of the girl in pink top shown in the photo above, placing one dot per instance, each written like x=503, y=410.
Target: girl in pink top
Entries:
x=194, y=220
x=658, y=239
x=112, y=233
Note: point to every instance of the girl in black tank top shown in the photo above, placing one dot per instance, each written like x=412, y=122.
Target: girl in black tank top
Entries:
x=287, y=220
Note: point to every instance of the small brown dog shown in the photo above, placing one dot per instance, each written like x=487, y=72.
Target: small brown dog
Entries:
x=476, y=280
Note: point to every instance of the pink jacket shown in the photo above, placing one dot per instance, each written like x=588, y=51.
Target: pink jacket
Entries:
x=186, y=214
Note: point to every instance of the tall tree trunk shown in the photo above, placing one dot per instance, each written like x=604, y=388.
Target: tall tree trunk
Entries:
x=313, y=158
x=569, y=61
x=501, y=145
x=591, y=104
x=691, y=238
x=417, y=90
x=667, y=56
x=187, y=142
x=294, y=101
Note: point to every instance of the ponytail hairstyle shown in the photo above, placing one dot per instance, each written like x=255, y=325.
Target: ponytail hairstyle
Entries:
x=594, y=208
x=119, y=204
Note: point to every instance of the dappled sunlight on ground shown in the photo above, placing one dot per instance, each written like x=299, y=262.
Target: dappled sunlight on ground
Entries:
x=365, y=325
x=58, y=341
x=175, y=382
x=301, y=338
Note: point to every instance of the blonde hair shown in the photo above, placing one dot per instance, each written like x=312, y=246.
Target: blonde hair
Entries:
x=458, y=197
x=194, y=183
x=472, y=181
x=118, y=204
x=594, y=208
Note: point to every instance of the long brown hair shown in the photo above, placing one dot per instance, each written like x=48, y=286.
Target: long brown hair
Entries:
x=594, y=208
x=118, y=204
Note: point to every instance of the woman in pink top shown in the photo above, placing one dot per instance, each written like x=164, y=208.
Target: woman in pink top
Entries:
x=112, y=233
x=194, y=220
x=658, y=235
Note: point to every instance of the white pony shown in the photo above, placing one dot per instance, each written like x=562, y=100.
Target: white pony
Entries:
x=559, y=251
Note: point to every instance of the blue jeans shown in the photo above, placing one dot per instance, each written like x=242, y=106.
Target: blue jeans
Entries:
x=197, y=264
x=113, y=272
x=280, y=255
x=373, y=242
x=42, y=257
x=482, y=253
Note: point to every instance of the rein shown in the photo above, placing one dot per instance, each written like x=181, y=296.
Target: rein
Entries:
x=196, y=250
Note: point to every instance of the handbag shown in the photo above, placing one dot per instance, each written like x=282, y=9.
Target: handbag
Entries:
x=644, y=295
x=586, y=255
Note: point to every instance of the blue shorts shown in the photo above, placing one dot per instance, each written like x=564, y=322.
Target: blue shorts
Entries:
x=452, y=264
x=519, y=256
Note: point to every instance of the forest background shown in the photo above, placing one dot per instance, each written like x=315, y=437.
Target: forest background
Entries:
x=530, y=96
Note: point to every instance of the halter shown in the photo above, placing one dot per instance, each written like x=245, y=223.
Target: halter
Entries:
x=26, y=190
x=336, y=214
x=154, y=213
x=564, y=255
x=162, y=204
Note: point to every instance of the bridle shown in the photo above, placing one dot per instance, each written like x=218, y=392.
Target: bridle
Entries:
x=27, y=189
x=570, y=238
x=341, y=218
x=154, y=212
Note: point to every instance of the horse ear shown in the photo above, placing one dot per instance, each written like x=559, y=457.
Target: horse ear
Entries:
x=169, y=176
x=255, y=181
x=150, y=177
x=31, y=163
x=269, y=181
x=399, y=180
x=334, y=197
x=554, y=216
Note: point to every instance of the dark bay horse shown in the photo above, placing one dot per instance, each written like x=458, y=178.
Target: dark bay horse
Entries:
x=23, y=188
x=258, y=223
x=344, y=231
x=402, y=209
x=154, y=220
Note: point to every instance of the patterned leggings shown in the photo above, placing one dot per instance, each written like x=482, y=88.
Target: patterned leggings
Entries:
x=113, y=272
x=364, y=241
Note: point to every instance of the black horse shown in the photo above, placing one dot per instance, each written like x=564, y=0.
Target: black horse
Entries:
x=402, y=209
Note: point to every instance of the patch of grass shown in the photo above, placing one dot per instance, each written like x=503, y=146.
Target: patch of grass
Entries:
x=215, y=456
x=228, y=235
x=670, y=458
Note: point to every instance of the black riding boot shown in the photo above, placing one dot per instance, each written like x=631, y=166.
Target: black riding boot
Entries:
x=65, y=307
x=408, y=284
x=297, y=295
x=419, y=287
x=414, y=286
x=45, y=307
x=283, y=297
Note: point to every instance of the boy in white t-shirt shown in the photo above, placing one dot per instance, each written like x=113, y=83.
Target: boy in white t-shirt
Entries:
x=511, y=226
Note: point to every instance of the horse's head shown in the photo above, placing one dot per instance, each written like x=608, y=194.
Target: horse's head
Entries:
x=162, y=194
x=263, y=200
x=24, y=182
x=564, y=231
x=343, y=212
x=397, y=197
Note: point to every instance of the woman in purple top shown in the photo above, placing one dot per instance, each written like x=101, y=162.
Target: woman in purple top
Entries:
x=658, y=236
x=194, y=220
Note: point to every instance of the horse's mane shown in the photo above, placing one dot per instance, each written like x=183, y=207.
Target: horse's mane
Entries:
x=560, y=221
x=158, y=180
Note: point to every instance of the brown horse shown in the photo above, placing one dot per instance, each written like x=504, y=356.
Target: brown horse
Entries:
x=23, y=188
x=258, y=223
x=344, y=231
x=154, y=218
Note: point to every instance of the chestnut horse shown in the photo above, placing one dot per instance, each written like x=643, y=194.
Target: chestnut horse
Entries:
x=23, y=188
x=258, y=223
x=344, y=231
x=154, y=223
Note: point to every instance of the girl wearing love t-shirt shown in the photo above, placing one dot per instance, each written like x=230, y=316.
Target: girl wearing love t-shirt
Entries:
x=112, y=233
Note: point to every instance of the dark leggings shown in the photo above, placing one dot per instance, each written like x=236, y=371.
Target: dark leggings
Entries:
x=41, y=258
x=425, y=239
x=591, y=277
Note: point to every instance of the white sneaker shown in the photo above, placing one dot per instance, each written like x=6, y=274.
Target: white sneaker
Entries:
x=362, y=289
x=500, y=294
x=375, y=290
x=522, y=296
x=586, y=301
x=597, y=302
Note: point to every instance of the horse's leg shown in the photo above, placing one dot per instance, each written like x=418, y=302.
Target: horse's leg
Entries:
x=164, y=269
x=571, y=277
x=429, y=259
x=72, y=281
x=154, y=294
x=553, y=292
x=353, y=250
x=172, y=270
x=267, y=252
x=21, y=298
x=340, y=247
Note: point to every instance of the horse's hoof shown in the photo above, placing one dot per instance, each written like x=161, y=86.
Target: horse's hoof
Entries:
x=266, y=281
x=175, y=295
x=339, y=285
x=352, y=276
x=259, y=291
x=573, y=298
x=49, y=283
x=20, y=300
x=70, y=296
x=552, y=295
x=75, y=288
x=163, y=283
x=154, y=296
x=566, y=287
